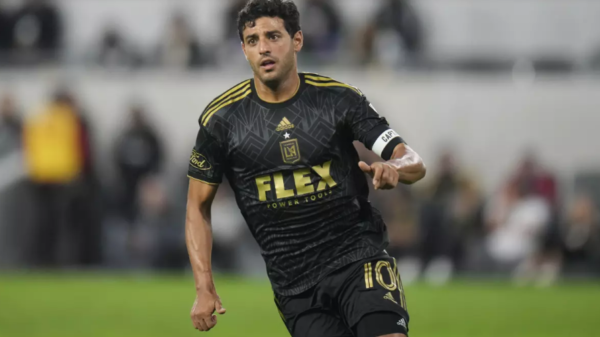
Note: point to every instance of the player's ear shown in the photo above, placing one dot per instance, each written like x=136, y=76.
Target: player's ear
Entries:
x=298, y=41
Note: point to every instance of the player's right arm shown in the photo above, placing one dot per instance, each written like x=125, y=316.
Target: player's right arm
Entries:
x=205, y=171
x=198, y=235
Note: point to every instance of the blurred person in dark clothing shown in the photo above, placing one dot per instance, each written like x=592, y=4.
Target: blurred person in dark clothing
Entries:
x=322, y=28
x=395, y=35
x=11, y=200
x=180, y=48
x=37, y=31
x=115, y=52
x=84, y=210
x=157, y=239
x=11, y=128
x=10, y=123
x=138, y=154
x=447, y=216
x=54, y=162
x=464, y=219
x=231, y=16
x=229, y=51
x=5, y=32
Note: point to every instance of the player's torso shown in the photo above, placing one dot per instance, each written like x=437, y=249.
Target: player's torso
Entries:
x=287, y=153
x=294, y=170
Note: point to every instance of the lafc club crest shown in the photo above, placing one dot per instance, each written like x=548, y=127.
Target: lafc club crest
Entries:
x=290, y=151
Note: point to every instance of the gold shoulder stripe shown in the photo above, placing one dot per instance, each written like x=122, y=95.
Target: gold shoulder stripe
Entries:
x=333, y=84
x=212, y=107
x=232, y=99
x=226, y=94
x=319, y=78
x=202, y=181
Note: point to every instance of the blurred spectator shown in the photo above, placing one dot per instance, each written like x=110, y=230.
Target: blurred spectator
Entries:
x=464, y=218
x=230, y=52
x=577, y=252
x=84, y=210
x=37, y=31
x=138, y=154
x=5, y=32
x=115, y=52
x=449, y=218
x=157, y=239
x=180, y=48
x=581, y=236
x=10, y=125
x=516, y=219
x=322, y=29
x=231, y=17
x=394, y=36
x=531, y=173
x=10, y=142
x=54, y=161
x=11, y=250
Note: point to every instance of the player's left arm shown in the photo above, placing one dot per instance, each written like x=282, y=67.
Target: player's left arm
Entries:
x=405, y=166
x=402, y=164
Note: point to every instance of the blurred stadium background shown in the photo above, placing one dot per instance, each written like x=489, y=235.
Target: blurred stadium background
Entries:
x=99, y=101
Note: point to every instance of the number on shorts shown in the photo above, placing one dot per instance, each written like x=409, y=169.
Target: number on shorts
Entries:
x=395, y=281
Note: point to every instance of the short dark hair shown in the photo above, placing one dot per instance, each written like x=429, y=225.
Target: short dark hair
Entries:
x=256, y=9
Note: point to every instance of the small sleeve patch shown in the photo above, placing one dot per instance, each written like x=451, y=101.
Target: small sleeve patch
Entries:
x=199, y=161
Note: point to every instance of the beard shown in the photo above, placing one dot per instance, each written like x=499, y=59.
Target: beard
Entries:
x=273, y=78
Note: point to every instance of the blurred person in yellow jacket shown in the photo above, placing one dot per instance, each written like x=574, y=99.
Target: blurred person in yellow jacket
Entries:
x=54, y=161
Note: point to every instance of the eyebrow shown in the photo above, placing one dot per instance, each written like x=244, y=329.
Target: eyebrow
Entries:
x=271, y=32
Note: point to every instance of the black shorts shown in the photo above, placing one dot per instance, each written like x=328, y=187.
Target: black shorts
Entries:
x=363, y=296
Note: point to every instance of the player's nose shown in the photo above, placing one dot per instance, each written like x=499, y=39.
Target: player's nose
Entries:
x=264, y=47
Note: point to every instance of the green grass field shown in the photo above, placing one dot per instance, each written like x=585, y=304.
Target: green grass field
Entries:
x=113, y=306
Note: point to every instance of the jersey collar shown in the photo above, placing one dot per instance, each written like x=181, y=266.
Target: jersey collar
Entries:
x=283, y=104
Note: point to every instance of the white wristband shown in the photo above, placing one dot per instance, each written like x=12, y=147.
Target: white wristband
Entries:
x=383, y=140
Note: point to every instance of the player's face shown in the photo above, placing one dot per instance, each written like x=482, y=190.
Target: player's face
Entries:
x=270, y=49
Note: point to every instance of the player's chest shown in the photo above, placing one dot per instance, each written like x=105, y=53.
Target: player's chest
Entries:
x=270, y=138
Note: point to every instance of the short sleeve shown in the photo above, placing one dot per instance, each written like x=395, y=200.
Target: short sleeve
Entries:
x=207, y=159
x=371, y=129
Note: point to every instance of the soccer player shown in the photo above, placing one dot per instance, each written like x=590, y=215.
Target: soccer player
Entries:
x=284, y=140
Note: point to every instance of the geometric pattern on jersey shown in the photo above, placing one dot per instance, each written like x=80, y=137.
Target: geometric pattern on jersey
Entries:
x=294, y=171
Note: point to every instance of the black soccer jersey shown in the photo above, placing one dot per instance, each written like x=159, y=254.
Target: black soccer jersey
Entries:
x=295, y=174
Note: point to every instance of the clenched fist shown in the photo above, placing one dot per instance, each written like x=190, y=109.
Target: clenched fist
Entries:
x=385, y=176
x=204, y=307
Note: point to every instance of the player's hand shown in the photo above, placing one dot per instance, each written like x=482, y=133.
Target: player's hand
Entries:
x=385, y=176
x=206, y=304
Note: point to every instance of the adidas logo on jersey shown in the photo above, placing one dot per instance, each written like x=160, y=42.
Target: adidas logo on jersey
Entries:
x=402, y=322
x=389, y=296
x=284, y=125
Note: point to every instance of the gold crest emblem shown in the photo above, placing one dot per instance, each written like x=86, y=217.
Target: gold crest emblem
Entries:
x=290, y=151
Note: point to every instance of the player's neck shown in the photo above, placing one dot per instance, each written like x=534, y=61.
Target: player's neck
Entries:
x=280, y=92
